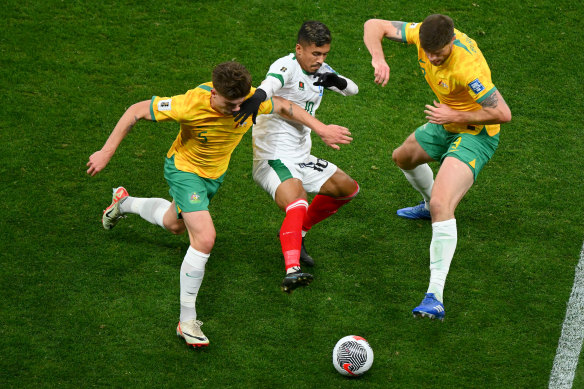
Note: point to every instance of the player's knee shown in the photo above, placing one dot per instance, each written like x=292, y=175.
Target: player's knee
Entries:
x=438, y=207
x=205, y=241
x=176, y=229
x=396, y=155
x=174, y=225
x=354, y=190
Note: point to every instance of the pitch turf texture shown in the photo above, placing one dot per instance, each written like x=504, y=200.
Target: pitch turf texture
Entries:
x=85, y=307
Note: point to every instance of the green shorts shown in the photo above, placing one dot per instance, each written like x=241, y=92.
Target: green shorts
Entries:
x=190, y=192
x=473, y=150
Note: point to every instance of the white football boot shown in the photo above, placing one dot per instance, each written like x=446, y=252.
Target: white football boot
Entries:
x=112, y=214
x=191, y=332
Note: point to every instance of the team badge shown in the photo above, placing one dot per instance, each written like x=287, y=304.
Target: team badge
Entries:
x=300, y=85
x=195, y=198
x=476, y=86
x=284, y=68
x=443, y=84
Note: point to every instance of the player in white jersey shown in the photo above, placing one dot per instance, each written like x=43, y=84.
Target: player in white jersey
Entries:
x=283, y=165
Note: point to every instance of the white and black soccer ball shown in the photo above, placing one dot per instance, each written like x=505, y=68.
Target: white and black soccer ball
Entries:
x=352, y=356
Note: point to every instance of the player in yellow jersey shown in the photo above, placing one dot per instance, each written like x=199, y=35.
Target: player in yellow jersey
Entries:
x=462, y=132
x=195, y=167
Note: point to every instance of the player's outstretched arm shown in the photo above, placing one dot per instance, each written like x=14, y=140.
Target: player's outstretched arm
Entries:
x=250, y=107
x=331, y=134
x=374, y=31
x=99, y=160
x=266, y=90
x=336, y=83
x=494, y=111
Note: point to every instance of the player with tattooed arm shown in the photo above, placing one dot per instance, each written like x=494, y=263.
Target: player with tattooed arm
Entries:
x=462, y=132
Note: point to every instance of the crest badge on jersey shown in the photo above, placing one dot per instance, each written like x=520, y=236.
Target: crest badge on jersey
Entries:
x=283, y=69
x=164, y=105
x=195, y=198
x=476, y=86
x=300, y=85
x=443, y=84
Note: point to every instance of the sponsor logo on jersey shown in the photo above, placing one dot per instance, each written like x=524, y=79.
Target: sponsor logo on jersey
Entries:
x=476, y=86
x=284, y=68
x=164, y=105
x=300, y=85
x=443, y=84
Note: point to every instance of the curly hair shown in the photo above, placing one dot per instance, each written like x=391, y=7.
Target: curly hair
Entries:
x=231, y=80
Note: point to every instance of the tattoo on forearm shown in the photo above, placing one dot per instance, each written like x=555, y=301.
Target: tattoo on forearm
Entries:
x=290, y=111
x=490, y=102
x=398, y=31
x=133, y=122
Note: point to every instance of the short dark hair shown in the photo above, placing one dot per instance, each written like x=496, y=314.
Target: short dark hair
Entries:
x=231, y=80
x=314, y=32
x=436, y=32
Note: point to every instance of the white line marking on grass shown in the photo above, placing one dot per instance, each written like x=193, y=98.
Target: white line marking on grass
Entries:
x=570, y=343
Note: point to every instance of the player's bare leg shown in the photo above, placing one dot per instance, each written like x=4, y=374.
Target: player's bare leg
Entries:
x=413, y=160
x=453, y=180
x=202, y=238
x=337, y=191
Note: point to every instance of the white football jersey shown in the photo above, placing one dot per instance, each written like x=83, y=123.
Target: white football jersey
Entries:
x=275, y=137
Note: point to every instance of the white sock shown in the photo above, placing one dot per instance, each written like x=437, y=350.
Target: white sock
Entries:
x=192, y=272
x=444, y=237
x=422, y=179
x=150, y=209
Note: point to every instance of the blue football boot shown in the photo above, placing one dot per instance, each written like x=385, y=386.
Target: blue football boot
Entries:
x=430, y=307
x=417, y=212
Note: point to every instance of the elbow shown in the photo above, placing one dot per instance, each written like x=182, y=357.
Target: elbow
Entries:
x=369, y=24
x=506, y=116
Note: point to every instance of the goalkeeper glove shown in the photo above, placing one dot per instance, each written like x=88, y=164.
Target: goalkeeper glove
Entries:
x=250, y=106
x=330, y=79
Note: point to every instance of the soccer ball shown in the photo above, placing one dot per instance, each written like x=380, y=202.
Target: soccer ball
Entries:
x=352, y=356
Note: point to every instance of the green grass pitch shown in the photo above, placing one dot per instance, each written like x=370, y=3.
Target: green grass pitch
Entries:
x=85, y=307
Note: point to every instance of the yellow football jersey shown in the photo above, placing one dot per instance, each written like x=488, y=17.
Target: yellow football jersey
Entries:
x=207, y=137
x=461, y=82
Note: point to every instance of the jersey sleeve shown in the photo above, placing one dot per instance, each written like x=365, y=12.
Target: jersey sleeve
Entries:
x=280, y=70
x=266, y=107
x=478, y=83
x=411, y=33
x=168, y=108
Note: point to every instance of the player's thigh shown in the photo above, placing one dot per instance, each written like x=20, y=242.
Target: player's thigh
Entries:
x=288, y=192
x=172, y=221
x=452, y=182
x=475, y=150
x=315, y=173
x=410, y=154
x=340, y=184
x=201, y=230
x=280, y=179
x=190, y=192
